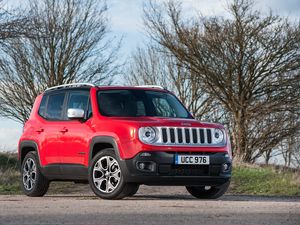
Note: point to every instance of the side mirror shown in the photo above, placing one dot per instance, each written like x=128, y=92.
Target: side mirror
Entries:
x=75, y=113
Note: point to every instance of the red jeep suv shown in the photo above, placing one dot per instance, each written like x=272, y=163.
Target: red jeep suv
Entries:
x=117, y=138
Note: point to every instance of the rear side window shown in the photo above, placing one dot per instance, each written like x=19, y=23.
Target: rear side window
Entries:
x=54, y=109
x=42, y=109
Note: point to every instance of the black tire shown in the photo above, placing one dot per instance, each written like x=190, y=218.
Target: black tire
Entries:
x=41, y=184
x=121, y=189
x=213, y=193
x=134, y=190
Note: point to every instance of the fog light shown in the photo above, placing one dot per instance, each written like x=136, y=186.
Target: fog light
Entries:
x=146, y=166
x=141, y=166
x=225, y=167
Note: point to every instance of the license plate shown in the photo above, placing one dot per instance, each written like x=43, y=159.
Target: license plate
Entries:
x=192, y=159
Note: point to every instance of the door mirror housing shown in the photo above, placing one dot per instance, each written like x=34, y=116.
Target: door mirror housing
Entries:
x=75, y=113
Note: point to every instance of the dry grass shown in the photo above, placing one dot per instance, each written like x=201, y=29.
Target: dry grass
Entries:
x=9, y=174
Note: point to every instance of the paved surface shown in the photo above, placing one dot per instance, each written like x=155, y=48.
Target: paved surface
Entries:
x=149, y=206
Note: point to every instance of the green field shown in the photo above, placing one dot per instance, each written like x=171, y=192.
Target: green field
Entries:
x=247, y=179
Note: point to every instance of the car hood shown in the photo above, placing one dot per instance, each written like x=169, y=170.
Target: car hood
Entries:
x=163, y=121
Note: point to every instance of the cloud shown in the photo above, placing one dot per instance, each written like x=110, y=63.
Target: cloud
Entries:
x=126, y=14
x=289, y=8
x=10, y=133
x=286, y=6
x=206, y=7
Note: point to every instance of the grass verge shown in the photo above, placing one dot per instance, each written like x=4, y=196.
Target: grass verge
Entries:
x=246, y=179
x=264, y=180
x=9, y=174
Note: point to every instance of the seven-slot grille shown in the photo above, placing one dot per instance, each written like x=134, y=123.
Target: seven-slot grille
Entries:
x=185, y=135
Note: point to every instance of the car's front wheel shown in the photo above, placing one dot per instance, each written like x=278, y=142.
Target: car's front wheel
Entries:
x=106, y=178
x=208, y=192
x=134, y=190
x=34, y=183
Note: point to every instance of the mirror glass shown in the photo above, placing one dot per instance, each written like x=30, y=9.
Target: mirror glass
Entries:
x=75, y=113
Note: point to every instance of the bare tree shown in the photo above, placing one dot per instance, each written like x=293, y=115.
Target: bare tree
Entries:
x=248, y=63
x=153, y=65
x=69, y=43
x=289, y=148
x=295, y=159
x=11, y=25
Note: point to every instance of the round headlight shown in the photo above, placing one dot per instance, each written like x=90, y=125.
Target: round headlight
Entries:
x=147, y=134
x=218, y=136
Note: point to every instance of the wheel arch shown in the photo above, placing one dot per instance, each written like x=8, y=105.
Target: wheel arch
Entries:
x=25, y=147
x=100, y=143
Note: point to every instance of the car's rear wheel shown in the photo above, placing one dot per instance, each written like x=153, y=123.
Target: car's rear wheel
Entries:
x=106, y=178
x=34, y=183
x=208, y=192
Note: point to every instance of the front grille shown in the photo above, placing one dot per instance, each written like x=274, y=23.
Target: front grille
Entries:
x=185, y=135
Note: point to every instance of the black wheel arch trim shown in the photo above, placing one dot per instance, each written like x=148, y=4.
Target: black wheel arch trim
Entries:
x=112, y=141
x=104, y=140
x=28, y=144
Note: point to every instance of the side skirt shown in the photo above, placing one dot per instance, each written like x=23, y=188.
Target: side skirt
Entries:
x=65, y=172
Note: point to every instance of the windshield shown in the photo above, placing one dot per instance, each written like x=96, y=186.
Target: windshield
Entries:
x=135, y=103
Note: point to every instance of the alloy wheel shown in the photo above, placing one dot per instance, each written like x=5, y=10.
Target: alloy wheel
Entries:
x=29, y=174
x=106, y=174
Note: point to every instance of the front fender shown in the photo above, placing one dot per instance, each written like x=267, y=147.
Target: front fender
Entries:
x=104, y=139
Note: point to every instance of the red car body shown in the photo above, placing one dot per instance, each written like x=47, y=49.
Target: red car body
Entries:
x=73, y=143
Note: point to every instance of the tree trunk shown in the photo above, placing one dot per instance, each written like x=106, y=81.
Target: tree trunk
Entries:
x=240, y=137
x=268, y=156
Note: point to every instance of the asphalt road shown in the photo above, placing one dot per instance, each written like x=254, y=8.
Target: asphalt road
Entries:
x=150, y=206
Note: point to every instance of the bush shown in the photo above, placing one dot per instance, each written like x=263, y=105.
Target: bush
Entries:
x=8, y=161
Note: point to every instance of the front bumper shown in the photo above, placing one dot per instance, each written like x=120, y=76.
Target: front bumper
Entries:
x=165, y=172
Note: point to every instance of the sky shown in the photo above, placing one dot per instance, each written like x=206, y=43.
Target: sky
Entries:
x=126, y=21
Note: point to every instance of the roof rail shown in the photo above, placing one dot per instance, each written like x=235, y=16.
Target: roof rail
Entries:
x=70, y=85
x=150, y=86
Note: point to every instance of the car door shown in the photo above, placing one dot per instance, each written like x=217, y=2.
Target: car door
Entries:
x=48, y=130
x=75, y=138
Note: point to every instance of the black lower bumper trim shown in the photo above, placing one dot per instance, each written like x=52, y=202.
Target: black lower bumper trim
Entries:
x=165, y=171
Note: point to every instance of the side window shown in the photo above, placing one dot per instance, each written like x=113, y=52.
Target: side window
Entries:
x=79, y=100
x=55, y=106
x=42, y=109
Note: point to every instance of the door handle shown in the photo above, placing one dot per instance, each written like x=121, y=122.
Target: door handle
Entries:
x=64, y=130
x=40, y=130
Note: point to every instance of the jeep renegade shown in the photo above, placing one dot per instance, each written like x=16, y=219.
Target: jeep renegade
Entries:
x=117, y=138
